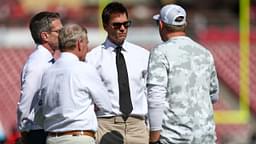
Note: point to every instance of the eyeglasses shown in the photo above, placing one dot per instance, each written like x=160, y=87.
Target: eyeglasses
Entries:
x=117, y=25
x=57, y=31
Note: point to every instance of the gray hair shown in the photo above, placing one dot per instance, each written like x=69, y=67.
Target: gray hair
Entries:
x=69, y=35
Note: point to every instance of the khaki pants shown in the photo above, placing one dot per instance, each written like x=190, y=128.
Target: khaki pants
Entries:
x=69, y=139
x=115, y=130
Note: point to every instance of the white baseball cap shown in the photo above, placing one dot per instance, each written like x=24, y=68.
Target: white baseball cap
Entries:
x=172, y=14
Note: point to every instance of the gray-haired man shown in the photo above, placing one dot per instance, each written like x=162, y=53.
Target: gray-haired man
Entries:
x=69, y=90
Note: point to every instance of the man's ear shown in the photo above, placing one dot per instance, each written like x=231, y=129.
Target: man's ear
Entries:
x=78, y=44
x=161, y=24
x=44, y=36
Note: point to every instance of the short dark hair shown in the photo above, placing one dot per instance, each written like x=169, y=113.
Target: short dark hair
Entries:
x=42, y=22
x=113, y=7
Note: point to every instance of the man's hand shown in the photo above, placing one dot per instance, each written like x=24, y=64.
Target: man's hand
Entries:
x=154, y=137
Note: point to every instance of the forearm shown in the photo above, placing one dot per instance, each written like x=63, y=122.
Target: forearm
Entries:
x=156, y=98
x=22, y=117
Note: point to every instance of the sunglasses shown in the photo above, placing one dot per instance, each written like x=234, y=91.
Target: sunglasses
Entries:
x=117, y=25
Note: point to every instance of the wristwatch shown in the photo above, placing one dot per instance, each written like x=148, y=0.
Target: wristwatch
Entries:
x=155, y=142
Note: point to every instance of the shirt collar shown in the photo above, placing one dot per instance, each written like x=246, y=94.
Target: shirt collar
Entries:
x=45, y=51
x=110, y=45
x=68, y=55
x=179, y=37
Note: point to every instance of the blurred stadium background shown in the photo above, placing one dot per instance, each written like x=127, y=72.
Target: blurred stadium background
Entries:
x=226, y=27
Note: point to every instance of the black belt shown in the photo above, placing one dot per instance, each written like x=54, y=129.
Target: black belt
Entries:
x=119, y=118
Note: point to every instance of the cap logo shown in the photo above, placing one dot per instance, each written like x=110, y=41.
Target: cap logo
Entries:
x=179, y=19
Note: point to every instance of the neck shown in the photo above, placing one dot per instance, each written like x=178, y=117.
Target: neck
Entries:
x=79, y=54
x=116, y=42
x=51, y=50
x=175, y=34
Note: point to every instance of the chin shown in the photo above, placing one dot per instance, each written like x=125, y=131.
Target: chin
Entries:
x=121, y=41
x=82, y=59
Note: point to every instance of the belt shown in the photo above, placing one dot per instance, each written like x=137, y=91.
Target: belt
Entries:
x=119, y=119
x=73, y=133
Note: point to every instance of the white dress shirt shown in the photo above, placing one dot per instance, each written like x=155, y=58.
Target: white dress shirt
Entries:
x=69, y=90
x=103, y=58
x=31, y=76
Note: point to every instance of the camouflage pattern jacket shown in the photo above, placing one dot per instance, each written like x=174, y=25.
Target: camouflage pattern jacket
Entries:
x=182, y=85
